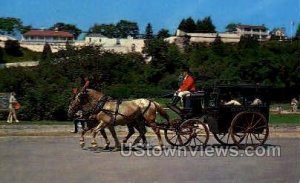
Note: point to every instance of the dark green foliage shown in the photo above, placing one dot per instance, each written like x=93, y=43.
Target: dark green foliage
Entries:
x=46, y=54
x=127, y=28
x=163, y=33
x=148, y=31
x=231, y=27
x=66, y=27
x=12, y=47
x=1, y=55
x=45, y=91
x=205, y=25
x=122, y=29
x=8, y=25
x=187, y=25
x=298, y=32
x=108, y=30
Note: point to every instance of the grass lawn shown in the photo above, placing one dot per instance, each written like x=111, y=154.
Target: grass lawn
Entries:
x=285, y=119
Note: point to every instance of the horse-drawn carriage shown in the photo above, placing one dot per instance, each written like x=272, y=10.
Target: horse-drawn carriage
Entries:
x=243, y=123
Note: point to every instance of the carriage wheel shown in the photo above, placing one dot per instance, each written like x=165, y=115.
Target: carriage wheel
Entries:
x=177, y=136
x=249, y=129
x=200, y=133
x=224, y=138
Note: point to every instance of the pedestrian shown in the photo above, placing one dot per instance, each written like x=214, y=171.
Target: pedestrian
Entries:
x=13, y=106
x=294, y=105
x=80, y=120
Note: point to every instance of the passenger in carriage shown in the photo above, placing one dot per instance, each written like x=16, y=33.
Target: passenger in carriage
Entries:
x=187, y=86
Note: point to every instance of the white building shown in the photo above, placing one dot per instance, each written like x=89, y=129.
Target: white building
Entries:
x=124, y=45
x=36, y=39
x=260, y=31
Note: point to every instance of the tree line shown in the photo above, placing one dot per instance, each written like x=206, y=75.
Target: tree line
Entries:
x=121, y=29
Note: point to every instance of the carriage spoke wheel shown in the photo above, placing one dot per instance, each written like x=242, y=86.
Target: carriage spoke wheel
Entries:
x=177, y=136
x=199, y=132
x=224, y=138
x=249, y=129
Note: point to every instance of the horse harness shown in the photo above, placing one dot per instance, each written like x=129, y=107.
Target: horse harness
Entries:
x=99, y=107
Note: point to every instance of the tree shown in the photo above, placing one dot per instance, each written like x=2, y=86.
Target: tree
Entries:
x=231, y=27
x=108, y=30
x=163, y=33
x=46, y=52
x=1, y=55
x=9, y=25
x=148, y=32
x=248, y=42
x=187, y=25
x=298, y=32
x=12, y=47
x=66, y=27
x=126, y=28
x=218, y=46
x=205, y=25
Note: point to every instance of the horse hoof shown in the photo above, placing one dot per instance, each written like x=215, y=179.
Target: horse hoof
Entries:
x=82, y=144
x=106, y=148
x=94, y=145
x=116, y=149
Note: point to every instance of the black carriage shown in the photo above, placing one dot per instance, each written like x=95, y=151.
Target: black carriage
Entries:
x=243, y=121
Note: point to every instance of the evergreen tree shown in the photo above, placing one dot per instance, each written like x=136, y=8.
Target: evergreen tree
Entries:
x=205, y=25
x=187, y=25
x=163, y=33
x=46, y=52
x=298, y=32
x=231, y=27
x=1, y=55
x=12, y=47
x=148, y=32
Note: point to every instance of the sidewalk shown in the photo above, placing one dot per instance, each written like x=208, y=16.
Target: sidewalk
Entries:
x=288, y=131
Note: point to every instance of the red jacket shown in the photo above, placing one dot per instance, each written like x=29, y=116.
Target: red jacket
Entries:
x=188, y=84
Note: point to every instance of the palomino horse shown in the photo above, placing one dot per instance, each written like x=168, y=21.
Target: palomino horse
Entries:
x=93, y=123
x=111, y=113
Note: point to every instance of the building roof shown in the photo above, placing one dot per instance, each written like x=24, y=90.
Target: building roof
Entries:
x=252, y=26
x=49, y=33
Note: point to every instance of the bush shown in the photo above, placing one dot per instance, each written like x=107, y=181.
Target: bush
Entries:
x=12, y=47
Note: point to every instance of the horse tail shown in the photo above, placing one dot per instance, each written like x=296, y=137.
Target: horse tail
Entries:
x=161, y=111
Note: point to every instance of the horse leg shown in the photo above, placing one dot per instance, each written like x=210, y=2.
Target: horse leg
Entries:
x=81, y=141
x=130, y=132
x=83, y=132
x=114, y=134
x=99, y=127
x=103, y=133
x=140, y=127
x=157, y=132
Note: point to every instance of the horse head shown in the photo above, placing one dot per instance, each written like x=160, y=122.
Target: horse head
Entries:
x=84, y=101
x=77, y=102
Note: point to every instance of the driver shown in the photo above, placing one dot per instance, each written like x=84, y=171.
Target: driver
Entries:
x=187, y=86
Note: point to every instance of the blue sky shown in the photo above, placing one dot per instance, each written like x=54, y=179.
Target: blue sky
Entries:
x=160, y=13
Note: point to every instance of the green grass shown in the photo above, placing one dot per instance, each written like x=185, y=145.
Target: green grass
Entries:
x=284, y=119
x=28, y=55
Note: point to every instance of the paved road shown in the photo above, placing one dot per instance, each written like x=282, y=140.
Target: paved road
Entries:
x=60, y=159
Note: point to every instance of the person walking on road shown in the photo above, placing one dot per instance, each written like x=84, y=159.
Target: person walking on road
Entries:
x=13, y=106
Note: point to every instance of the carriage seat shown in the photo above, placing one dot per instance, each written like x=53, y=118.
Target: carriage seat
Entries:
x=194, y=100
